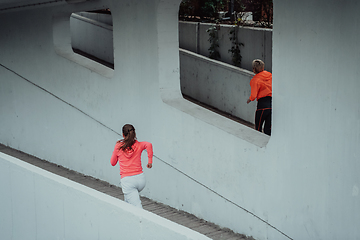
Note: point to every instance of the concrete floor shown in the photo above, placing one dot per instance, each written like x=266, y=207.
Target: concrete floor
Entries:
x=188, y=220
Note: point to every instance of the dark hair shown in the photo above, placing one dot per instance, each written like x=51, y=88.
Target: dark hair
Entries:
x=129, y=137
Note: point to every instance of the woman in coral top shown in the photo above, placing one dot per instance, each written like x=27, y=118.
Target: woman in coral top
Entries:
x=128, y=153
x=261, y=89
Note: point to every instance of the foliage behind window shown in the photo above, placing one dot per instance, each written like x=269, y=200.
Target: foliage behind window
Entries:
x=208, y=10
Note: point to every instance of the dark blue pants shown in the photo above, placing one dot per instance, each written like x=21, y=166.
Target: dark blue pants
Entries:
x=263, y=115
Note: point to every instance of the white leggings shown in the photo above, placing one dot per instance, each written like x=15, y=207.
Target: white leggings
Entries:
x=131, y=186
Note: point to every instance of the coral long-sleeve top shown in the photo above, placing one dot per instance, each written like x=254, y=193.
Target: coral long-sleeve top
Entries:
x=261, y=85
x=130, y=160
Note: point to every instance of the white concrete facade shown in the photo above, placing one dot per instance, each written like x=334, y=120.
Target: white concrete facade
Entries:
x=302, y=183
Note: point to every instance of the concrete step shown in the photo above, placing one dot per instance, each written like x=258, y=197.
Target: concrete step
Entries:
x=183, y=218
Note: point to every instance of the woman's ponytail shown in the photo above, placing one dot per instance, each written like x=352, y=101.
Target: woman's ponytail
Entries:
x=129, y=137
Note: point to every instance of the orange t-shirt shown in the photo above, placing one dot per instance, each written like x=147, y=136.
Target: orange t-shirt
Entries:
x=261, y=85
x=130, y=160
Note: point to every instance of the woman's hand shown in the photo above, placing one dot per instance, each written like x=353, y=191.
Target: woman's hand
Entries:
x=149, y=165
x=248, y=101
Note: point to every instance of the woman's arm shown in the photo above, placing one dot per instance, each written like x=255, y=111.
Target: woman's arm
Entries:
x=114, y=158
x=149, y=150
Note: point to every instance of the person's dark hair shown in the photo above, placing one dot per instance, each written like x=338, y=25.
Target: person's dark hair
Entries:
x=129, y=137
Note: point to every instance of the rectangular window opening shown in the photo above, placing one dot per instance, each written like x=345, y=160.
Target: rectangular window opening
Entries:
x=92, y=36
x=216, y=54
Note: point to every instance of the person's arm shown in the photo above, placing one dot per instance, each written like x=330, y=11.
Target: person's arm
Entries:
x=114, y=158
x=149, y=150
x=254, y=90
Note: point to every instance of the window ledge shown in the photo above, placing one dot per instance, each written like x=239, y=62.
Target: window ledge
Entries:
x=86, y=62
x=234, y=128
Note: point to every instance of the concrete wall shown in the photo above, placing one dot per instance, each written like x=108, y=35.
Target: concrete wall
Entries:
x=257, y=42
x=217, y=84
x=302, y=183
x=317, y=114
x=36, y=204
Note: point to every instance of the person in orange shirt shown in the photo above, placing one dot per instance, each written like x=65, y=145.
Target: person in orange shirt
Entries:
x=261, y=89
x=128, y=153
